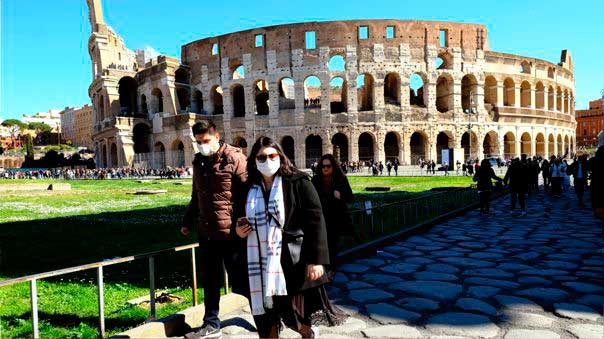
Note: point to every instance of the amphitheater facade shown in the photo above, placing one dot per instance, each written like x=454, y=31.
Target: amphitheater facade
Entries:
x=362, y=89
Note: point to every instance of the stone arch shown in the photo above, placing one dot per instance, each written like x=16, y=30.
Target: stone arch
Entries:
x=490, y=145
x=183, y=95
x=560, y=145
x=238, y=72
x=158, y=100
x=566, y=146
x=198, y=102
x=337, y=95
x=444, y=93
x=540, y=145
x=182, y=76
x=104, y=156
x=159, y=151
x=144, y=105
x=525, y=94
x=509, y=92
x=365, y=85
x=392, y=141
x=238, y=96
x=366, y=145
x=417, y=89
x=490, y=91
x=392, y=89
x=312, y=92
x=558, y=99
x=261, y=97
x=113, y=155
x=101, y=108
x=419, y=147
x=525, y=143
x=314, y=149
x=469, y=91
x=566, y=101
x=339, y=142
x=444, y=140
x=525, y=67
x=539, y=95
x=469, y=143
x=286, y=94
x=127, y=89
x=337, y=63
x=509, y=145
x=444, y=60
x=551, y=144
x=288, y=145
x=141, y=135
x=551, y=97
x=216, y=99
x=178, y=153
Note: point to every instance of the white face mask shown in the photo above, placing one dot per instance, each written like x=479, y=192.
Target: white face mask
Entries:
x=269, y=167
x=205, y=149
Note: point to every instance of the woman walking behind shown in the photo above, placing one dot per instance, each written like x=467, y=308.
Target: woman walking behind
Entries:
x=483, y=177
x=286, y=245
x=335, y=192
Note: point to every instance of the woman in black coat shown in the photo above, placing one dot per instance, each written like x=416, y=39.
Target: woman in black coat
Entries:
x=304, y=247
x=335, y=192
x=483, y=177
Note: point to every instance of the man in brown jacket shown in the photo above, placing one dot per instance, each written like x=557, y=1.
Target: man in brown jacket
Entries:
x=218, y=200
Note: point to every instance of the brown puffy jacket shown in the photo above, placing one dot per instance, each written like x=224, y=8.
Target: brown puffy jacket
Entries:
x=219, y=192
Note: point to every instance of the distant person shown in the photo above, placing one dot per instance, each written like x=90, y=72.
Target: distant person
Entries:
x=389, y=167
x=545, y=174
x=557, y=172
x=484, y=185
x=446, y=169
x=218, y=199
x=396, y=164
x=579, y=169
x=517, y=177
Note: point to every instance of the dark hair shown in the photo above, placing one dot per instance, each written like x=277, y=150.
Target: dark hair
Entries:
x=485, y=163
x=287, y=169
x=337, y=172
x=203, y=127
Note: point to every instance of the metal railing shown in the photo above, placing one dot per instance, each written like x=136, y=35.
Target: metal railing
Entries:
x=32, y=279
x=372, y=221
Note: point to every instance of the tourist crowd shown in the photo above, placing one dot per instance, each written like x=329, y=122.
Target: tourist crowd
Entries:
x=96, y=174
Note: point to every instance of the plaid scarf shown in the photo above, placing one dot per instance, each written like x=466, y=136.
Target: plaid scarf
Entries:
x=264, y=246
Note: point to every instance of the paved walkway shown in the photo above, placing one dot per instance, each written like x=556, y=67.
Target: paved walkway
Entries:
x=539, y=276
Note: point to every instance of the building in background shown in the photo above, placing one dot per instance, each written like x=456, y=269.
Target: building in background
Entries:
x=76, y=126
x=6, y=139
x=589, y=123
x=52, y=118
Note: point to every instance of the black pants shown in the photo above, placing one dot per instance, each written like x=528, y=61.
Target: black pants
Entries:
x=485, y=201
x=580, y=189
x=546, y=180
x=214, y=256
x=520, y=197
x=557, y=185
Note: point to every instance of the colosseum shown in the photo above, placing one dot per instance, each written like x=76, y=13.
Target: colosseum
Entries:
x=362, y=89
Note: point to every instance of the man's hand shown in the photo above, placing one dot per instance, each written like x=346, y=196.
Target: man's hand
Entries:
x=243, y=227
x=336, y=194
x=185, y=231
x=315, y=272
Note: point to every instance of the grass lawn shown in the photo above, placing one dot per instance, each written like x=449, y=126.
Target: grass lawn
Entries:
x=45, y=230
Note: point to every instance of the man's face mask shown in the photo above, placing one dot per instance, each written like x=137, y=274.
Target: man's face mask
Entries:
x=207, y=143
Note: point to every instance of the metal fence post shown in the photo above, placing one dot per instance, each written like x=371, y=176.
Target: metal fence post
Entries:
x=226, y=282
x=194, y=274
x=33, y=289
x=101, y=300
x=152, y=286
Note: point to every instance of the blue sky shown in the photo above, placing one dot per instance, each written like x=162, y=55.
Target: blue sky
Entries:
x=45, y=63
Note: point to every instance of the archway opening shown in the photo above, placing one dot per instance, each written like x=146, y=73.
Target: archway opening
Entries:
x=469, y=89
x=416, y=90
x=287, y=143
x=391, y=146
x=418, y=145
x=238, y=101
x=490, y=147
x=365, y=92
x=540, y=145
x=127, y=88
x=525, y=94
x=337, y=95
x=261, y=96
x=392, y=89
x=525, y=144
x=509, y=145
x=444, y=94
x=141, y=135
x=509, y=95
x=286, y=94
x=490, y=92
x=312, y=93
x=469, y=143
x=314, y=149
x=339, y=142
x=366, y=151
x=444, y=142
x=216, y=97
x=158, y=100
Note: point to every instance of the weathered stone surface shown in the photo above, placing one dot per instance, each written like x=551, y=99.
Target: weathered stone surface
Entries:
x=442, y=268
x=509, y=303
x=418, y=304
x=482, y=291
x=583, y=287
x=418, y=261
x=526, y=319
x=435, y=276
x=400, y=268
x=353, y=268
x=488, y=272
x=514, y=267
x=372, y=294
x=370, y=262
x=431, y=289
x=392, y=331
x=355, y=285
x=340, y=278
x=575, y=311
x=466, y=324
x=467, y=262
x=565, y=265
x=596, y=300
x=534, y=281
x=525, y=334
x=389, y=314
x=469, y=304
x=380, y=278
x=491, y=282
x=545, y=294
x=587, y=331
x=542, y=272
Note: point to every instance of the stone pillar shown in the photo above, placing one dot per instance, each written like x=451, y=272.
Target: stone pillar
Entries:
x=406, y=147
x=405, y=95
x=273, y=100
x=545, y=98
x=353, y=148
x=517, y=96
x=533, y=97
x=381, y=153
x=500, y=94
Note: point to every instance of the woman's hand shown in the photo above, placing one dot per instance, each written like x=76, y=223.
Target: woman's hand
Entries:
x=337, y=194
x=243, y=227
x=315, y=272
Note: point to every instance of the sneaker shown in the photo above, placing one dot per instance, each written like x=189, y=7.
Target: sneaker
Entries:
x=206, y=331
x=315, y=331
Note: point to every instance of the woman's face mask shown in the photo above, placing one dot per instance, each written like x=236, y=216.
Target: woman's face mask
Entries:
x=268, y=163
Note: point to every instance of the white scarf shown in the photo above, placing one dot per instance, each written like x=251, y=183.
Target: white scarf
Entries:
x=264, y=242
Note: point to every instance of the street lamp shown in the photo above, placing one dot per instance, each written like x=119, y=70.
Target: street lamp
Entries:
x=471, y=110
